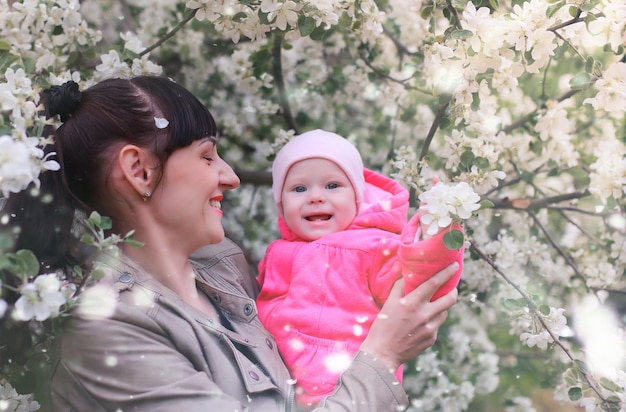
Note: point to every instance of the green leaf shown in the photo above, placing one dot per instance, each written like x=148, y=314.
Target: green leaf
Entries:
x=105, y=223
x=486, y=204
x=588, y=5
x=94, y=218
x=426, y=12
x=87, y=239
x=306, y=25
x=134, y=243
x=573, y=11
x=513, y=304
x=320, y=33
x=4, y=45
x=571, y=377
x=610, y=385
x=239, y=17
x=28, y=262
x=544, y=309
x=481, y=162
x=582, y=367
x=461, y=34
x=6, y=60
x=130, y=241
x=575, y=393
x=78, y=270
x=475, y=102
x=580, y=81
x=454, y=239
x=263, y=17
x=494, y=4
x=345, y=21
x=551, y=10
x=5, y=261
x=97, y=274
x=467, y=158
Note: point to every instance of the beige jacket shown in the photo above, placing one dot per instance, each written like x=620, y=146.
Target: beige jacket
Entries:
x=133, y=345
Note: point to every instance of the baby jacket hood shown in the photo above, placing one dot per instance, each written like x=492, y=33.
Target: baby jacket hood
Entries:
x=385, y=206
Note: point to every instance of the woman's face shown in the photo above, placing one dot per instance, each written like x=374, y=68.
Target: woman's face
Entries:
x=317, y=199
x=188, y=198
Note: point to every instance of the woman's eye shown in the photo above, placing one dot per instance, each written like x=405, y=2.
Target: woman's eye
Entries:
x=208, y=159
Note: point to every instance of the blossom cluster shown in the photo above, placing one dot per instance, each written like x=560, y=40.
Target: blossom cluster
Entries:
x=11, y=401
x=40, y=299
x=444, y=203
x=21, y=161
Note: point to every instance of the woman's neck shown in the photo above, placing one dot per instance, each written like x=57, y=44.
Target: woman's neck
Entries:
x=169, y=266
x=175, y=272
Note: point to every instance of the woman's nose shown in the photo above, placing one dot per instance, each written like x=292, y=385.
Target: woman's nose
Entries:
x=228, y=178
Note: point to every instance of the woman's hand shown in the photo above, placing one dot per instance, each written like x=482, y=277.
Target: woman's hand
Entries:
x=407, y=325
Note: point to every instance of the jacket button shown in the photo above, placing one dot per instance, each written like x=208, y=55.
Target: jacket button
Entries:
x=217, y=298
x=125, y=277
x=269, y=343
x=254, y=375
x=247, y=310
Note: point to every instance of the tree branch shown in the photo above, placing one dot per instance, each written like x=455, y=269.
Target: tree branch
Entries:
x=171, y=33
x=558, y=249
x=527, y=204
x=431, y=133
x=455, y=14
x=520, y=122
x=535, y=312
x=277, y=72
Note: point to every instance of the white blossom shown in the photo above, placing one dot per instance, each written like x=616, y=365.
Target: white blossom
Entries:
x=538, y=335
x=112, y=66
x=40, y=299
x=611, y=87
x=20, y=163
x=442, y=204
x=285, y=12
x=11, y=401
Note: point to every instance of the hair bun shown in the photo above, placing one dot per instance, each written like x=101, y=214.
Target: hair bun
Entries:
x=64, y=99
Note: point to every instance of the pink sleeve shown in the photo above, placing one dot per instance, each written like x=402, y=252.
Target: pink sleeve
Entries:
x=422, y=259
x=385, y=270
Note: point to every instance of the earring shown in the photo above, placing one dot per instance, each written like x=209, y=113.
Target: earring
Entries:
x=146, y=195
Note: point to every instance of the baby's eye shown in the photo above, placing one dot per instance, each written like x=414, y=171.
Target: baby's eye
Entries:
x=299, y=189
x=208, y=159
x=332, y=186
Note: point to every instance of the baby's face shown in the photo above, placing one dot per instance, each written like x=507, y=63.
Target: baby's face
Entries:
x=317, y=199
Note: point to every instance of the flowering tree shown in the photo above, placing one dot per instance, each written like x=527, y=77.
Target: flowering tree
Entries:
x=523, y=101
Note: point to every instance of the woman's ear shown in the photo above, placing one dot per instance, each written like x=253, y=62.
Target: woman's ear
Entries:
x=138, y=167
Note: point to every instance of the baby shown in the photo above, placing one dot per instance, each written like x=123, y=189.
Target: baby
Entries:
x=345, y=241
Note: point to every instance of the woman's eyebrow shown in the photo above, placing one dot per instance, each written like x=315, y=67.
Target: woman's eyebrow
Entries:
x=208, y=139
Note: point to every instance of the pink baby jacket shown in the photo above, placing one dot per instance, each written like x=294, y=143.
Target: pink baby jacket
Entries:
x=319, y=298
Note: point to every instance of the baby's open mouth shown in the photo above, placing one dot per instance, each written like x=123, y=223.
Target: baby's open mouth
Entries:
x=315, y=218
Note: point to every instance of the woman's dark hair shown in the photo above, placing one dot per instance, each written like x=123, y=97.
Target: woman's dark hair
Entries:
x=95, y=123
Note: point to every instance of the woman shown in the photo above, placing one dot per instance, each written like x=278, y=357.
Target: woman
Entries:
x=173, y=325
